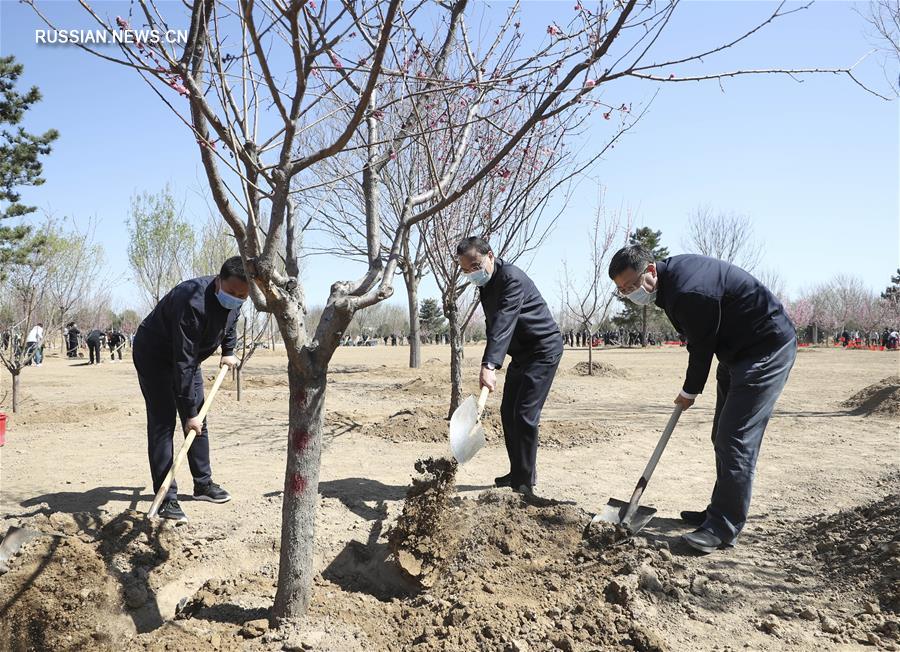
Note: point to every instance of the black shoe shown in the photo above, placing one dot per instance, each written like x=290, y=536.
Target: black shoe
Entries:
x=694, y=518
x=703, y=541
x=526, y=490
x=211, y=492
x=503, y=481
x=171, y=510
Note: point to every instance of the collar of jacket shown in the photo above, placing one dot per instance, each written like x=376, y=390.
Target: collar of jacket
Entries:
x=498, y=264
x=660, y=283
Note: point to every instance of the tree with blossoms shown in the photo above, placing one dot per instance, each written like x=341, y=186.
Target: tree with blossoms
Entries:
x=272, y=90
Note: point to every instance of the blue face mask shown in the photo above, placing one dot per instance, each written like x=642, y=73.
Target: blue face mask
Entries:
x=479, y=277
x=228, y=301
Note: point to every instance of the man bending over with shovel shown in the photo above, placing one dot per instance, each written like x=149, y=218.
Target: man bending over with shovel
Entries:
x=518, y=323
x=184, y=329
x=721, y=310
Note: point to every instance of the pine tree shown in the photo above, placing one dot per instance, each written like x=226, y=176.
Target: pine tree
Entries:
x=431, y=317
x=20, y=163
x=633, y=315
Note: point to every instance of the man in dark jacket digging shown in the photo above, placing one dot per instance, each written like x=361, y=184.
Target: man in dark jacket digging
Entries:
x=520, y=324
x=721, y=310
x=184, y=329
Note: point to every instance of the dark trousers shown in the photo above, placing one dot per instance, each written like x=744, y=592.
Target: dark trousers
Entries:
x=94, y=350
x=113, y=351
x=158, y=387
x=746, y=392
x=524, y=392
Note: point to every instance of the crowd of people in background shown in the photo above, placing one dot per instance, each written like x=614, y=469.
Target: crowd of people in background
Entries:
x=888, y=338
x=95, y=340
x=618, y=337
x=114, y=341
x=74, y=341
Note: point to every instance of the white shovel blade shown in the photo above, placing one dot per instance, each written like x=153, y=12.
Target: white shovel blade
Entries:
x=465, y=438
x=465, y=448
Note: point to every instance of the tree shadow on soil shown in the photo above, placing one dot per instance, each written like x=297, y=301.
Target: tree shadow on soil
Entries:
x=368, y=567
x=129, y=543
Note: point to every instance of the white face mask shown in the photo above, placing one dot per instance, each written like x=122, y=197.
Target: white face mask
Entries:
x=641, y=297
x=479, y=277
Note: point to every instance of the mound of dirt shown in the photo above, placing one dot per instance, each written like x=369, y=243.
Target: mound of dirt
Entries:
x=880, y=399
x=416, y=425
x=859, y=550
x=423, y=538
x=91, y=585
x=599, y=369
x=519, y=574
x=428, y=425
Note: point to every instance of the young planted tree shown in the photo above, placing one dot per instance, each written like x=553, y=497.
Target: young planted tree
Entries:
x=161, y=244
x=272, y=90
x=588, y=298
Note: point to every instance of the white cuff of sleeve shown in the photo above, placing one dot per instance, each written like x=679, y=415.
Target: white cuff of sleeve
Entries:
x=684, y=394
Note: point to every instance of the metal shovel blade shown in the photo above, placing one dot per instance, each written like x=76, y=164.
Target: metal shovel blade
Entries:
x=614, y=512
x=15, y=538
x=466, y=434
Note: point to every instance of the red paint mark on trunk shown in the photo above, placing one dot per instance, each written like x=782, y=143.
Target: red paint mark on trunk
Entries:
x=298, y=484
x=299, y=439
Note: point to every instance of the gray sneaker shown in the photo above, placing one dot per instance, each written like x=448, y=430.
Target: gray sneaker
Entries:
x=171, y=510
x=211, y=492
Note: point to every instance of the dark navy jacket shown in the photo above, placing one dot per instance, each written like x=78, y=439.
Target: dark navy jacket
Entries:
x=518, y=320
x=184, y=329
x=720, y=309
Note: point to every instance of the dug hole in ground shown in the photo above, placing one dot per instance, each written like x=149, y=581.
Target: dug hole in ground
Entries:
x=413, y=553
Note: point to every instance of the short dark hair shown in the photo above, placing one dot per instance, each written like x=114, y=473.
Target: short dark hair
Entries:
x=233, y=268
x=466, y=245
x=633, y=256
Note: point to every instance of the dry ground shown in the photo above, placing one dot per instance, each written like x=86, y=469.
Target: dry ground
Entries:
x=802, y=576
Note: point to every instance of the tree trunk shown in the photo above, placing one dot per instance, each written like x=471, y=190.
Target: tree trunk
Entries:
x=412, y=298
x=815, y=334
x=644, y=325
x=590, y=345
x=456, y=358
x=301, y=485
x=15, y=390
x=238, y=383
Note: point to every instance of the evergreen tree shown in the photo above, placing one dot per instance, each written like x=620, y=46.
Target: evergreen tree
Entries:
x=634, y=316
x=20, y=163
x=431, y=318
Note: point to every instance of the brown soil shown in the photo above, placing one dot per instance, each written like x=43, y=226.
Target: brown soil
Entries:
x=880, y=399
x=512, y=575
x=598, y=369
x=424, y=537
x=428, y=425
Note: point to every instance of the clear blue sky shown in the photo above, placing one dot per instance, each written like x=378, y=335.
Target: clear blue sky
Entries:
x=814, y=164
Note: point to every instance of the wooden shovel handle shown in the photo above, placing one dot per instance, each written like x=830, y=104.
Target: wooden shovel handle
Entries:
x=182, y=453
x=482, y=399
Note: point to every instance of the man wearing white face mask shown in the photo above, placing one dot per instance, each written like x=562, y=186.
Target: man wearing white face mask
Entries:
x=520, y=324
x=721, y=310
x=184, y=329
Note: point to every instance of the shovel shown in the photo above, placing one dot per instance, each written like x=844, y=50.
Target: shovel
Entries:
x=182, y=453
x=629, y=515
x=466, y=433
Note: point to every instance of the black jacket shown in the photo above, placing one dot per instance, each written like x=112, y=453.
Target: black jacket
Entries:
x=184, y=329
x=720, y=309
x=518, y=320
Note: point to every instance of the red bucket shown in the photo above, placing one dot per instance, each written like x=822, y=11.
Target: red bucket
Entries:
x=2, y=429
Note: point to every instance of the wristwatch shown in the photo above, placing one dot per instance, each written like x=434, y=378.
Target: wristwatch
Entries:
x=490, y=365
